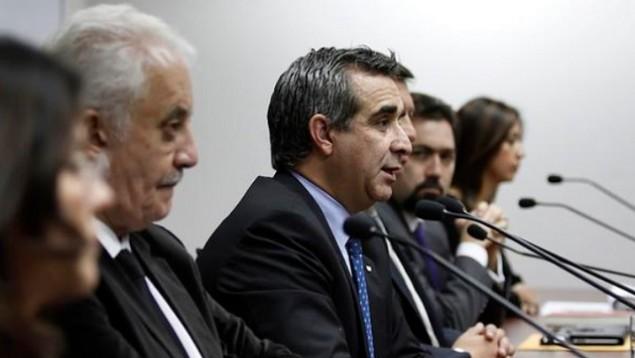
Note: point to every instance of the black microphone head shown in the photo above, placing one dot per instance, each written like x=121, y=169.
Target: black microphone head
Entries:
x=555, y=179
x=451, y=204
x=360, y=226
x=526, y=203
x=477, y=232
x=429, y=210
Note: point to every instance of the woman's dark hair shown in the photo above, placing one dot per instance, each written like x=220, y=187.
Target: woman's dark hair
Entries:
x=38, y=97
x=483, y=125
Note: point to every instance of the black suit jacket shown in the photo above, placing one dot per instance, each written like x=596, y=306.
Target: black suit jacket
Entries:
x=113, y=324
x=275, y=262
x=456, y=305
x=493, y=312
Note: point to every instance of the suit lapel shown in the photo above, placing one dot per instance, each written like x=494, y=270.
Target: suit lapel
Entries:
x=292, y=183
x=175, y=294
x=396, y=225
x=124, y=293
x=353, y=317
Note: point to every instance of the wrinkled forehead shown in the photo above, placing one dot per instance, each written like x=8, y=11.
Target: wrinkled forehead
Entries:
x=376, y=92
x=434, y=133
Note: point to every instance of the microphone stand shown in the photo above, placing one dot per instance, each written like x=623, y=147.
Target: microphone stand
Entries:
x=372, y=231
x=588, y=217
x=547, y=255
x=589, y=267
x=602, y=189
x=478, y=233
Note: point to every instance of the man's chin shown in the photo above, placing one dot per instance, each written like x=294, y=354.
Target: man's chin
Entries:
x=382, y=195
x=162, y=212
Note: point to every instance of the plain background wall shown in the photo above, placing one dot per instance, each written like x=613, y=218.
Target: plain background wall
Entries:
x=566, y=64
x=30, y=20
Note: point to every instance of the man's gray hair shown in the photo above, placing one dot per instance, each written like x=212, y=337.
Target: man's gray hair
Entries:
x=111, y=45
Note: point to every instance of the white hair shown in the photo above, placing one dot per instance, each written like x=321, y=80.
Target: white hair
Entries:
x=111, y=45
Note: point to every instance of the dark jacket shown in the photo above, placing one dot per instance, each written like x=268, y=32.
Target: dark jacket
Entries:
x=275, y=262
x=113, y=324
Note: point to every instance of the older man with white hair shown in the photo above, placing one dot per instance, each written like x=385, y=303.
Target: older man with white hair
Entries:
x=138, y=102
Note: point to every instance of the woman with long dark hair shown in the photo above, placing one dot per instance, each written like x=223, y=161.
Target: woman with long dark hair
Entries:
x=489, y=145
x=489, y=149
x=48, y=251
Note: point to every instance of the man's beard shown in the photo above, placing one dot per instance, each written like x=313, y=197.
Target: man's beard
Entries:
x=411, y=201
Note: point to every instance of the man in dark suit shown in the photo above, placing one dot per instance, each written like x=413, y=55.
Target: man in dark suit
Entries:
x=281, y=259
x=150, y=301
x=423, y=305
x=428, y=175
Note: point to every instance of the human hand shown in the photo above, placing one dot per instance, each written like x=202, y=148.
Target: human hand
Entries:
x=476, y=343
x=505, y=347
x=529, y=302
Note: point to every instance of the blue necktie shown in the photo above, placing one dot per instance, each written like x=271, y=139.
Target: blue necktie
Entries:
x=354, y=248
x=432, y=270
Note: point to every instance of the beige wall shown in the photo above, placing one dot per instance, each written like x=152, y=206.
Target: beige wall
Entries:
x=566, y=64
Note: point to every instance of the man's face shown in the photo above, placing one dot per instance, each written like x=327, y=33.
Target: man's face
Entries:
x=368, y=155
x=428, y=173
x=158, y=144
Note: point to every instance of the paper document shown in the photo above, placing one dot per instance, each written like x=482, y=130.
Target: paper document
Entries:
x=574, y=307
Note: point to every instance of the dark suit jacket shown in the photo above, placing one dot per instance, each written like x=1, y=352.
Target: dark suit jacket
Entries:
x=275, y=262
x=457, y=305
x=113, y=324
x=493, y=313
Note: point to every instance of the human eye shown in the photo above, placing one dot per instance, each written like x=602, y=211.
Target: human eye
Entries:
x=421, y=153
x=174, y=122
x=514, y=139
x=447, y=157
x=383, y=122
x=172, y=127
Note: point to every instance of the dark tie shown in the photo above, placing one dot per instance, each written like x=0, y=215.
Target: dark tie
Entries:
x=354, y=248
x=133, y=269
x=432, y=270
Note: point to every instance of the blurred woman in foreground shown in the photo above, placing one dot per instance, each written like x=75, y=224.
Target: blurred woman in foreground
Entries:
x=50, y=193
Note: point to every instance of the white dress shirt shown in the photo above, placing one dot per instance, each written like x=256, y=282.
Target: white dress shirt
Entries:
x=421, y=308
x=334, y=212
x=113, y=245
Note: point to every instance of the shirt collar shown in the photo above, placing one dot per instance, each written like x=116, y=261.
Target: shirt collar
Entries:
x=412, y=220
x=109, y=240
x=333, y=211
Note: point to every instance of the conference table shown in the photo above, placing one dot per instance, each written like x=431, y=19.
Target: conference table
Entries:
x=517, y=330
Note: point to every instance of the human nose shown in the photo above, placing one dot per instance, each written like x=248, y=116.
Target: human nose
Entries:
x=409, y=128
x=402, y=144
x=433, y=165
x=187, y=153
x=520, y=150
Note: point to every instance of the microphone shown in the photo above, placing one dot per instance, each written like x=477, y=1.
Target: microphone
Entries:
x=527, y=203
x=557, y=179
x=363, y=227
x=429, y=210
x=554, y=179
x=479, y=233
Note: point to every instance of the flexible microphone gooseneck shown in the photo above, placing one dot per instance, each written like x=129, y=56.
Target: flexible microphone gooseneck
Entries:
x=362, y=226
x=478, y=233
x=557, y=179
x=431, y=210
x=527, y=203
